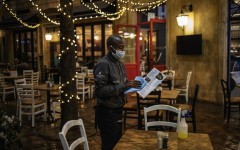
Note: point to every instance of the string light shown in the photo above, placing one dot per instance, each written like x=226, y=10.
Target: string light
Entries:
x=109, y=16
x=149, y=5
x=96, y=9
x=43, y=14
x=17, y=18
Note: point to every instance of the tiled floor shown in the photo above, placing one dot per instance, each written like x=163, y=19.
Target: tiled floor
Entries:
x=209, y=120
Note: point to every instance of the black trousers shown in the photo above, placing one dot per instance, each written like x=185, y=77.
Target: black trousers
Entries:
x=109, y=121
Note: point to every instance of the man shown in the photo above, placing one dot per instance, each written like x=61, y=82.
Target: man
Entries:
x=110, y=83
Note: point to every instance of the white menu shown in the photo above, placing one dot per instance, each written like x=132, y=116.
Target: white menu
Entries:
x=155, y=78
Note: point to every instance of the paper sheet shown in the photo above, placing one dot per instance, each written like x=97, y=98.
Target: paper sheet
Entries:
x=155, y=78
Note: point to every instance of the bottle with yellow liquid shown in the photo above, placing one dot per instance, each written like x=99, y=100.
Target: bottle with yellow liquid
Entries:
x=183, y=128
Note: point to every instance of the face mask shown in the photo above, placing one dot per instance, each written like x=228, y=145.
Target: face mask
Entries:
x=119, y=54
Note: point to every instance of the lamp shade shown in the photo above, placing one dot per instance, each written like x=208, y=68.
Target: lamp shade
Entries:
x=48, y=36
x=182, y=20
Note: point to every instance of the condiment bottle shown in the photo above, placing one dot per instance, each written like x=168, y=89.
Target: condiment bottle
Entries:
x=183, y=128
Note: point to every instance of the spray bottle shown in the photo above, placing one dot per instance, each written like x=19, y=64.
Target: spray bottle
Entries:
x=183, y=127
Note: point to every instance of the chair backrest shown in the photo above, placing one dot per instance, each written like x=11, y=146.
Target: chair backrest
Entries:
x=35, y=78
x=153, y=98
x=80, y=80
x=28, y=76
x=161, y=123
x=90, y=71
x=20, y=81
x=1, y=80
x=169, y=72
x=84, y=70
x=82, y=139
x=226, y=90
x=188, y=79
x=195, y=98
x=25, y=92
x=13, y=73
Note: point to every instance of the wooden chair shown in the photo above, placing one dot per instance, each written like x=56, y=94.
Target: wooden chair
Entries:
x=28, y=76
x=55, y=100
x=82, y=88
x=90, y=81
x=32, y=78
x=130, y=109
x=6, y=89
x=29, y=104
x=19, y=82
x=229, y=100
x=78, y=141
x=13, y=73
x=169, y=74
x=152, y=99
x=158, y=122
x=191, y=109
x=184, y=89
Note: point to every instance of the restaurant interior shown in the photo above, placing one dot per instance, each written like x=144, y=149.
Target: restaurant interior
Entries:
x=195, y=45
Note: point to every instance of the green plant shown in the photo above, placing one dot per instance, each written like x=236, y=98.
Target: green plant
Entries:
x=9, y=129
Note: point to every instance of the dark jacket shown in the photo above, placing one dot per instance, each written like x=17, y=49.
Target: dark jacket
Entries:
x=110, y=77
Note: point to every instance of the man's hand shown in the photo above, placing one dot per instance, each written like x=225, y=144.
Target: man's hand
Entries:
x=133, y=84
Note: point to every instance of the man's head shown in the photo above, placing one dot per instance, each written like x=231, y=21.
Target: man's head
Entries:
x=115, y=45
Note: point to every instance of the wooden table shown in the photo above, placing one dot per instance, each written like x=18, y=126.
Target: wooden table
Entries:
x=166, y=94
x=147, y=140
x=11, y=79
x=44, y=87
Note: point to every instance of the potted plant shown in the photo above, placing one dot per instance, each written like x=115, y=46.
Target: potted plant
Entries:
x=9, y=131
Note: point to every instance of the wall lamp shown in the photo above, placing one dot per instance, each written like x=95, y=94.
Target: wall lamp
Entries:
x=48, y=36
x=182, y=18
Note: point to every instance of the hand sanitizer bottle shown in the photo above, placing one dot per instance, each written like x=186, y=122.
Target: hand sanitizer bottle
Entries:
x=183, y=128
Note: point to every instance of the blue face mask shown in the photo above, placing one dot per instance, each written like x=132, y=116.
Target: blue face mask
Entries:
x=119, y=54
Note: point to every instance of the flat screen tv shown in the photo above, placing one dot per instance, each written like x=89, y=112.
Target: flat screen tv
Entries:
x=189, y=44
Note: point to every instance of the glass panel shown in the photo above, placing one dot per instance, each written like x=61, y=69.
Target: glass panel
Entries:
x=108, y=32
x=129, y=44
x=18, y=51
x=88, y=41
x=35, y=64
x=97, y=42
x=23, y=54
x=79, y=44
x=28, y=47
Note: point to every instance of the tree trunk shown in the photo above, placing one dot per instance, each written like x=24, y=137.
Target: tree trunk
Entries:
x=69, y=107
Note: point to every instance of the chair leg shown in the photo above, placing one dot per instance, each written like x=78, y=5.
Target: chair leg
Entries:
x=33, y=117
x=124, y=118
x=186, y=97
x=45, y=113
x=228, y=117
x=139, y=123
x=4, y=96
x=83, y=96
x=54, y=109
x=194, y=123
x=225, y=109
x=20, y=115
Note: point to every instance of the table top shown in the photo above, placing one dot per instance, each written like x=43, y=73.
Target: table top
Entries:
x=147, y=140
x=45, y=87
x=13, y=77
x=166, y=94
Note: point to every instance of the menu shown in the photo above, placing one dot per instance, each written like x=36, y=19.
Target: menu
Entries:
x=148, y=83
